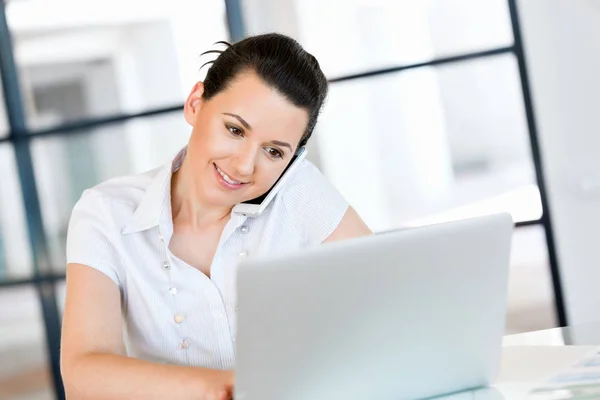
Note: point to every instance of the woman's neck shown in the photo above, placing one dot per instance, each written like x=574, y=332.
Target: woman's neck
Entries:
x=189, y=209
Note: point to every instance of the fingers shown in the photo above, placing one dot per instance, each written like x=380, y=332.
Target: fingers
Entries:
x=217, y=395
x=223, y=387
x=225, y=395
x=230, y=385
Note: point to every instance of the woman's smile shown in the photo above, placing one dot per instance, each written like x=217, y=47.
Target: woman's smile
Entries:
x=226, y=181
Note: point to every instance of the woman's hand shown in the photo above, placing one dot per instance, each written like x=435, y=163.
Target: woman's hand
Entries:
x=219, y=385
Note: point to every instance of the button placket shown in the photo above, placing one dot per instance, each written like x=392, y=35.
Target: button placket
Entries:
x=178, y=317
x=244, y=230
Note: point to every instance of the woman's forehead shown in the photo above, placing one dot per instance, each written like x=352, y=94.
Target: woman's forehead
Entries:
x=263, y=107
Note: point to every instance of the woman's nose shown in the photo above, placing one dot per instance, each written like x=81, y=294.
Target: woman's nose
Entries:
x=244, y=162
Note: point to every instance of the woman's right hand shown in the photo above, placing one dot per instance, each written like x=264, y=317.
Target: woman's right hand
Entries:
x=219, y=385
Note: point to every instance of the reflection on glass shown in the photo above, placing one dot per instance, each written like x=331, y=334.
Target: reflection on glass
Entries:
x=360, y=35
x=67, y=165
x=3, y=117
x=61, y=291
x=15, y=252
x=24, y=370
x=431, y=144
x=109, y=57
x=530, y=293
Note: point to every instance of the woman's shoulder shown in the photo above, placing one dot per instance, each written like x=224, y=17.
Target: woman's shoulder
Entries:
x=306, y=175
x=115, y=201
x=124, y=189
x=312, y=202
x=95, y=227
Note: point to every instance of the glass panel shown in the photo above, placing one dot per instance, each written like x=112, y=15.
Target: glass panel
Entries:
x=430, y=144
x=360, y=35
x=67, y=165
x=3, y=117
x=61, y=291
x=15, y=252
x=530, y=293
x=24, y=372
x=109, y=57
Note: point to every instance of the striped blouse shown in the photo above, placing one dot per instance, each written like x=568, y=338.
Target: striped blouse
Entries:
x=172, y=312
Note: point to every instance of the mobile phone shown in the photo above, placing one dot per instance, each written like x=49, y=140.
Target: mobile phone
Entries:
x=255, y=207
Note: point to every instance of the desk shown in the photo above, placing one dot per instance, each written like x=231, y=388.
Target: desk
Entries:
x=582, y=335
x=529, y=358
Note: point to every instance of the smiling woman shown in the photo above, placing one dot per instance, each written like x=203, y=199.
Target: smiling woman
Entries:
x=156, y=253
x=246, y=134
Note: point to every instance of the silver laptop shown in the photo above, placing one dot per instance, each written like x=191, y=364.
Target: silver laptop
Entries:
x=402, y=315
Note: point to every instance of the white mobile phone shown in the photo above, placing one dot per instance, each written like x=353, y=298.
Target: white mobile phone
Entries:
x=255, y=207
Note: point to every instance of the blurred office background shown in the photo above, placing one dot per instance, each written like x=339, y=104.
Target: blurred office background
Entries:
x=434, y=114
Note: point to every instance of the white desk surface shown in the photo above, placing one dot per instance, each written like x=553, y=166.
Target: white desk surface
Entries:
x=530, y=358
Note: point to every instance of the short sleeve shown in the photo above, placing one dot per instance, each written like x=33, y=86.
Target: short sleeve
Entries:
x=314, y=203
x=91, y=234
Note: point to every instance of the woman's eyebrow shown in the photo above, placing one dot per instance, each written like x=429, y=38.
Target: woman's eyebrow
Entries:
x=282, y=144
x=247, y=126
x=242, y=121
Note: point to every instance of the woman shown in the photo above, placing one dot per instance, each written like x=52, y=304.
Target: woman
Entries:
x=152, y=258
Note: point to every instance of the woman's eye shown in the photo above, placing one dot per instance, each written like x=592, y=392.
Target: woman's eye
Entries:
x=235, y=131
x=274, y=153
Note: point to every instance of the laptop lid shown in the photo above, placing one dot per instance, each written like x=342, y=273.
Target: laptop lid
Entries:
x=402, y=315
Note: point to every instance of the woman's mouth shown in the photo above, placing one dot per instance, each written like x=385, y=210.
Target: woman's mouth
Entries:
x=226, y=181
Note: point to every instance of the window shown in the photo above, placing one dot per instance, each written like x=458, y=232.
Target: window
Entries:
x=530, y=283
x=431, y=144
x=103, y=58
x=15, y=253
x=365, y=35
x=23, y=343
x=3, y=117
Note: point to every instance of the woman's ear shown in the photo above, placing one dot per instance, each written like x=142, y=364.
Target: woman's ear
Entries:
x=193, y=103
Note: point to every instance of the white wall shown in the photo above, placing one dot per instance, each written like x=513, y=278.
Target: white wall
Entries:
x=562, y=47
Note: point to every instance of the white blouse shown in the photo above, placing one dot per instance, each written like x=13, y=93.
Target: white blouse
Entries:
x=172, y=312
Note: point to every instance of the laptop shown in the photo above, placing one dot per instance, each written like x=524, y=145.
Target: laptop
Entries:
x=403, y=315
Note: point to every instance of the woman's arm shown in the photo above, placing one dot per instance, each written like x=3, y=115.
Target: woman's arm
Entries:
x=93, y=360
x=350, y=226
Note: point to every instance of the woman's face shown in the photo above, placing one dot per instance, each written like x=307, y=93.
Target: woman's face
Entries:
x=242, y=139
